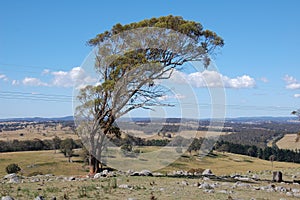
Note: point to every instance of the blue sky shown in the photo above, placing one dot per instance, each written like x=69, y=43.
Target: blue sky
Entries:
x=43, y=43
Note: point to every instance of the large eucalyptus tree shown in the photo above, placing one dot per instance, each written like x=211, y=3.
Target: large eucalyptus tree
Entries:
x=130, y=60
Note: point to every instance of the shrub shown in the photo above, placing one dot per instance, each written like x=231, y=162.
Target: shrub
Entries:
x=12, y=168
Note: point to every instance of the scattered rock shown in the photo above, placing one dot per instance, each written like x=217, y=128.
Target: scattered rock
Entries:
x=34, y=180
x=72, y=178
x=209, y=191
x=280, y=189
x=294, y=190
x=97, y=175
x=242, y=178
x=289, y=194
x=255, y=177
x=207, y=172
x=9, y=176
x=7, y=198
x=277, y=176
x=157, y=174
x=223, y=191
x=105, y=173
x=297, y=195
x=124, y=186
x=145, y=172
x=14, y=179
x=205, y=186
x=197, y=184
x=135, y=174
x=184, y=183
x=39, y=198
x=239, y=184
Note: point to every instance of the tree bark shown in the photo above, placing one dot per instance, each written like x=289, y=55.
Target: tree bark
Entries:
x=94, y=165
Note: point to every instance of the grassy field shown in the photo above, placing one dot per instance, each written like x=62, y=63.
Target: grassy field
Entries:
x=160, y=188
x=47, y=162
x=289, y=142
x=39, y=131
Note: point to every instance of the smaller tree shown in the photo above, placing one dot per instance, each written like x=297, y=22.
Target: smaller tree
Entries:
x=12, y=168
x=272, y=158
x=56, y=143
x=223, y=148
x=66, y=147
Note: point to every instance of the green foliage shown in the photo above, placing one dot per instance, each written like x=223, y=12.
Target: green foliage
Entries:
x=67, y=146
x=128, y=78
x=12, y=168
x=56, y=142
x=176, y=23
x=126, y=147
x=267, y=153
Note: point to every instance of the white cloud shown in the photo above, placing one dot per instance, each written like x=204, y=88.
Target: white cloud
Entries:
x=60, y=78
x=291, y=82
x=15, y=82
x=289, y=79
x=33, y=82
x=70, y=78
x=3, y=77
x=213, y=79
x=167, y=97
x=293, y=86
x=297, y=95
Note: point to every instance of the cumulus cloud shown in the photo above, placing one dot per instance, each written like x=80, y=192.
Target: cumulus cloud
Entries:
x=291, y=82
x=3, y=77
x=213, y=79
x=68, y=79
x=60, y=78
x=33, y=82
x=29, y=81
x=15, y=82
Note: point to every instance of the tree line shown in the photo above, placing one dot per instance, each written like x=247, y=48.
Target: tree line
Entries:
x=268, y=153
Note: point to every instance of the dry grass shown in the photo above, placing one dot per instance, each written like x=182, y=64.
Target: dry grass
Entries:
x=220, y=163
x=161, y=188
x=289, y=142
x=185, y=134
x=46, y=162
x=38, y=131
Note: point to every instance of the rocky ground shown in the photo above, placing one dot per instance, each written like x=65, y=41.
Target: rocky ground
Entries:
x=133, y=185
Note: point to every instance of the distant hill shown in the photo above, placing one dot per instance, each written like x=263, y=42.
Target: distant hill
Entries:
x=170, y=120
x=38, y=119
x=263, y=119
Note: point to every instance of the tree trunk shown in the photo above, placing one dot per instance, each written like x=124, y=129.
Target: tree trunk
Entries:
x=94, y=165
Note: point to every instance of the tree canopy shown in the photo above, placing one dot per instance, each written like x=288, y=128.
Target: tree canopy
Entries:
x=130, y=60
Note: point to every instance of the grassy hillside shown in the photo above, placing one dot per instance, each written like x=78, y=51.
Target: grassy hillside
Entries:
x=47, y=162
x=289, y=142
